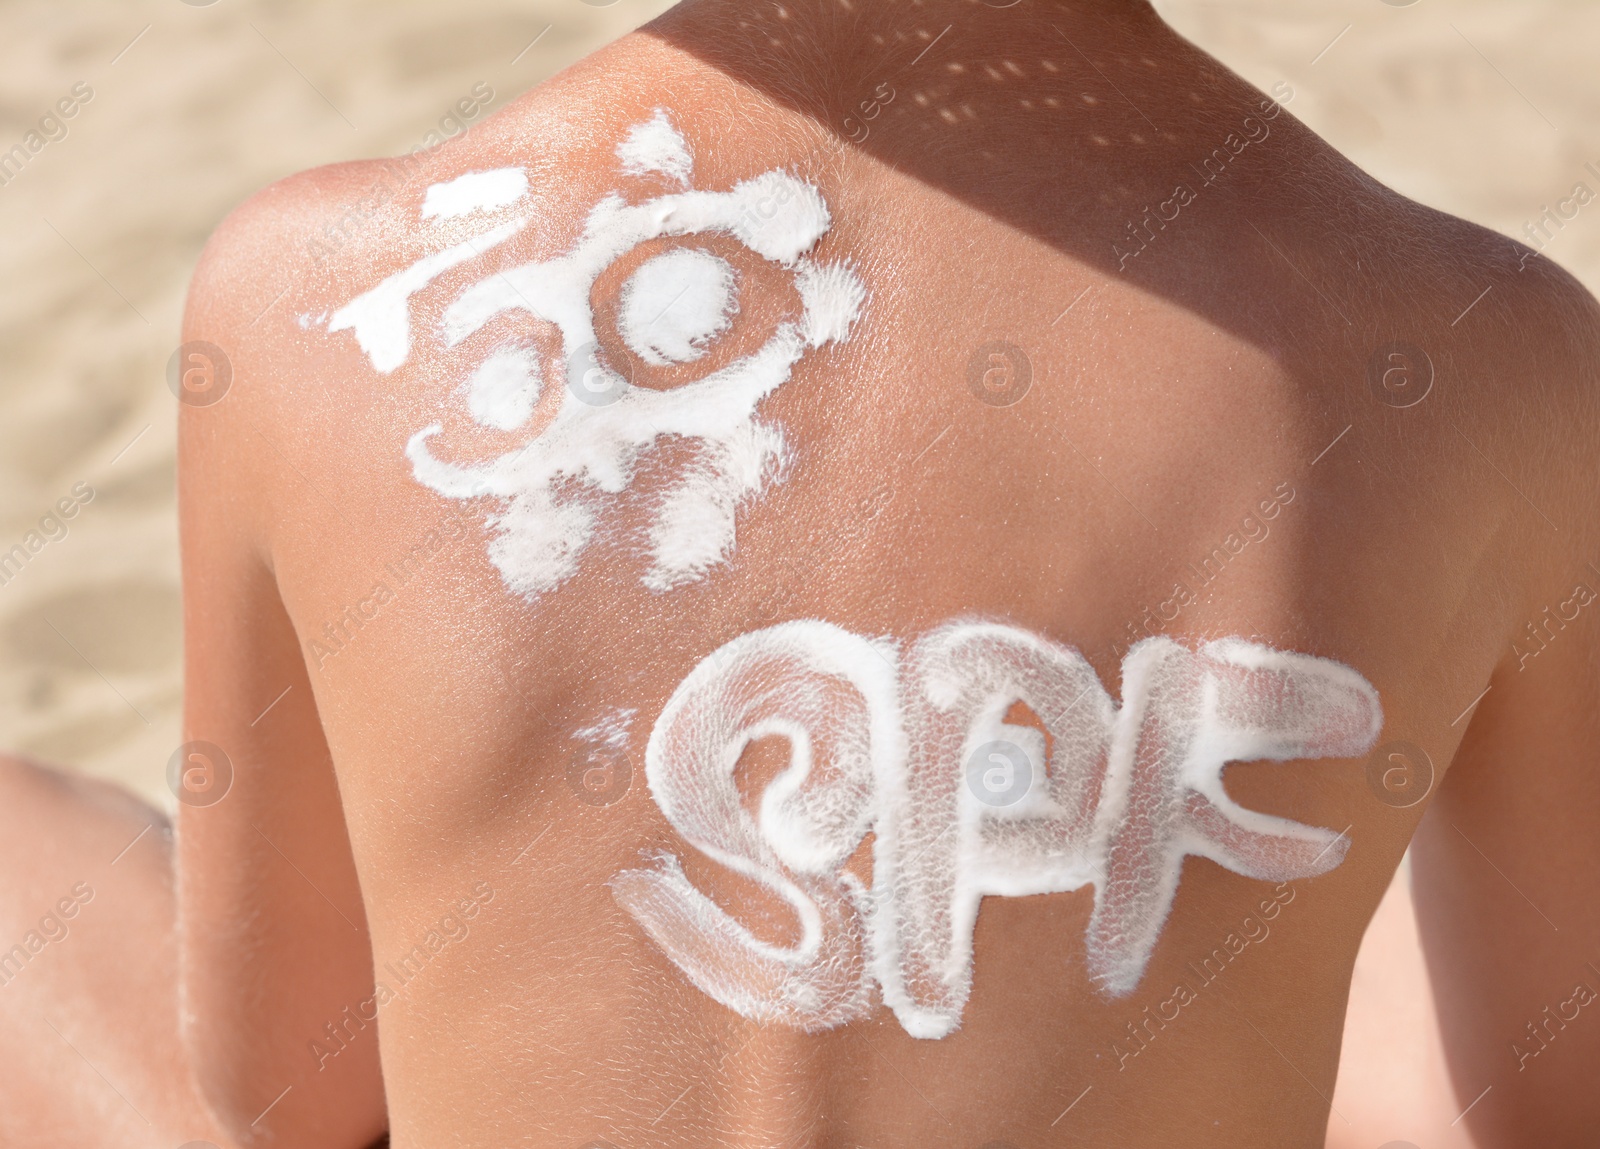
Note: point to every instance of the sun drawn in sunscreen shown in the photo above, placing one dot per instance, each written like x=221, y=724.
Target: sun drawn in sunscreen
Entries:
x=551, y=495
x=886, y=742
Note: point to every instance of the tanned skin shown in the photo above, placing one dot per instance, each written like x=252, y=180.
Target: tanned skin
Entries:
x=1186, y=370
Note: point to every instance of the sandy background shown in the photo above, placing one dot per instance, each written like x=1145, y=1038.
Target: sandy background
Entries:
x=1485, y=108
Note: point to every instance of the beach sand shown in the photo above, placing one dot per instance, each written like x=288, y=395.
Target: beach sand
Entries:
x=1482, y=108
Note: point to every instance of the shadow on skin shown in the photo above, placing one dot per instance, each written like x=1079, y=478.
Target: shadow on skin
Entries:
x=1082, y=139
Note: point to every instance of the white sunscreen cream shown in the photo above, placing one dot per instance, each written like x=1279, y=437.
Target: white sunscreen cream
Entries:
x=941, y=847
x=554, y=489
x=963, y=804
x=609, y=730
x=503, y=390
x=381, y=318
x=832, y=697
x=475, y=191
x=656, y=146
x=675, y=304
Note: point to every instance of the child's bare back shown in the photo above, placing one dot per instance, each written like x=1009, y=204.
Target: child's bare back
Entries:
x=759, y=554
